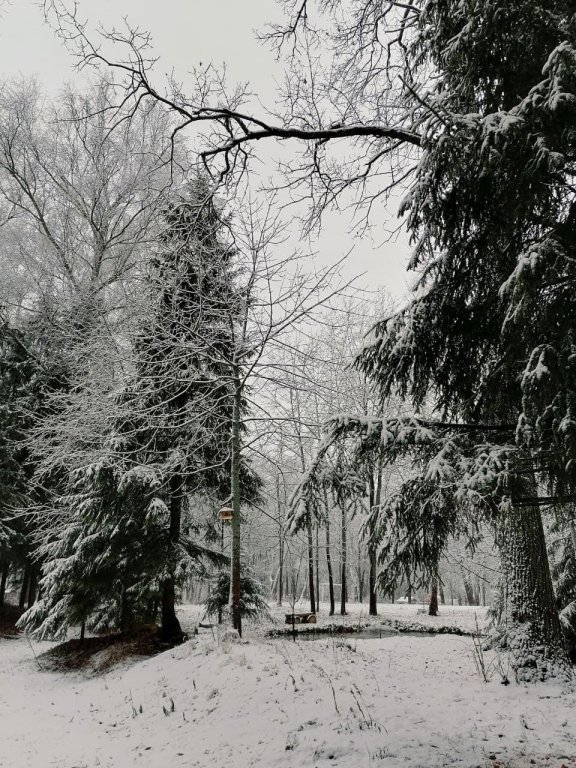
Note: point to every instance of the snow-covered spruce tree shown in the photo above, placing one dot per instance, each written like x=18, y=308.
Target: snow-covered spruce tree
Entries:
x=489, y=336
x=185, y=358
x=124, y=540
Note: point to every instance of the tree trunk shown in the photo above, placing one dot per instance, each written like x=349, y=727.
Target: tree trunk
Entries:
x=311, y=591
x=467, y=588
x=343, y=556
x=280, y=544
x=235, y=567
x=3, y=582
x=329, y=559
x=317, y=564
x=280, y=570
x=32, y=586
x=529, y=623
x=171, y=631
x=373, y=597
x=433, y=607
x=441, y=592
x=24, y=589
x=375, y=499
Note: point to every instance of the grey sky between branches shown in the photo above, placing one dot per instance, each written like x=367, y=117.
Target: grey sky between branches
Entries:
x=185, y=34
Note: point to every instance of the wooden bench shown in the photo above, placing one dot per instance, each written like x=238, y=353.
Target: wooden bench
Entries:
x=300, y=618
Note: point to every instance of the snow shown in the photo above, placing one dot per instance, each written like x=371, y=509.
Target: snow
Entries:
x=399, y=701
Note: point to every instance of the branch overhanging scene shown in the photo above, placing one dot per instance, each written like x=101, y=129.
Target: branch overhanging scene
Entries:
x=288, y=383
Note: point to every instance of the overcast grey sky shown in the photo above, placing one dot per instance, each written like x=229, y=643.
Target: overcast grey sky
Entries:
x=186, y=32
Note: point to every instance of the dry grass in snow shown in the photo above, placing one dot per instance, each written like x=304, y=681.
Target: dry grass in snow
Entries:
x=399, y=701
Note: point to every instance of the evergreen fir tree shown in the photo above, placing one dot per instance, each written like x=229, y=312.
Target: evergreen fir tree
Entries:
x=126, y=540
x=489, y=335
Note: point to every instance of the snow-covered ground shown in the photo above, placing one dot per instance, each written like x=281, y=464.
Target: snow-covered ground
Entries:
x=398, y=701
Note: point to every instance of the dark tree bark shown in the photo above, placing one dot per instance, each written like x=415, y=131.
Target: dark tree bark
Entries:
x=280, y=544
x=32, y=586
x=441, y=592
x=24, y=588
x=375, y=491
x=311, y=590
x=235, y=565
x=373, y=597
x=433, y=606
x=170, y=630
x=329, y=559
x=532, y=625
x=360, y=583
x=317, y=565
x=3, y=582
x=343, y=558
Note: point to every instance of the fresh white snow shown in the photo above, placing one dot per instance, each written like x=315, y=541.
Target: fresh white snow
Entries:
x=340, y=701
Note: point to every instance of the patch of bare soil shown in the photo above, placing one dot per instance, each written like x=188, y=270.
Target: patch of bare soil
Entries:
x=99, y=654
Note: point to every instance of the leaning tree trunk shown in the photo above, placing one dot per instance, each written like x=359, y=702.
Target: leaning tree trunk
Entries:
x=529, y=623
x=171, y=631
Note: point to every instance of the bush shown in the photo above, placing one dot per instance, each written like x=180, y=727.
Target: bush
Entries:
x=252, y=597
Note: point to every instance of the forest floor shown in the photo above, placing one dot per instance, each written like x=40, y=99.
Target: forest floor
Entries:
x=213, y=702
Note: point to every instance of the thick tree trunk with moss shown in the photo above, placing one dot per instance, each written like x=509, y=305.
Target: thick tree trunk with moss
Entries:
x=530, y=625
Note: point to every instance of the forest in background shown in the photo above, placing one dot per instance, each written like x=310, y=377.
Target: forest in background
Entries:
x=166, y=353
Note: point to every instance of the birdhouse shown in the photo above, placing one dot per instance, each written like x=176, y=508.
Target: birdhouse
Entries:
x=226, y=514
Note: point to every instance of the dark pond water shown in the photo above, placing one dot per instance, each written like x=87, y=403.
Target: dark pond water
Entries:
x=372, y=633
x=363, y=634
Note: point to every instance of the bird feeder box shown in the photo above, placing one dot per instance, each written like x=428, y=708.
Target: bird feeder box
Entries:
x=226, y=514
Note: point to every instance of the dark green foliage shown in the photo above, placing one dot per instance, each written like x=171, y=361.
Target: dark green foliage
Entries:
x=106, y=563
x=127, y=533
x=253, y=603
x=30, y=369
x=489, y=336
